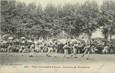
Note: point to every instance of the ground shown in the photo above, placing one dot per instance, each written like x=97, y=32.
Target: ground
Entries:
x=37, y=63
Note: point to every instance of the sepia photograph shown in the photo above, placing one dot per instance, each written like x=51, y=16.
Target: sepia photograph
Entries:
x=57, y=36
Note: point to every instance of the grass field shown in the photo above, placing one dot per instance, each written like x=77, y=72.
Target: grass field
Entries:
x=56, y=58
x=97, y=63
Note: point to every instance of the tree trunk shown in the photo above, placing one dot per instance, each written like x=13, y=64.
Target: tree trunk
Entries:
x=109, y=34
x=89, y=38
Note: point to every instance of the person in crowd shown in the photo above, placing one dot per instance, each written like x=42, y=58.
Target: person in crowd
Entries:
x=41, y=47
x=75, y=48
x=10, y=44
x=80, y=47
x=60, y=47
x=106, y=49
x=66, y=47
x=111, y=48
x=37, y=49
x=32, y=48
x=87, y=50
x=16, y=45
x=3, y=46
x=93, y=49
x=23, y=42
x=50, y=49
x=56, y=47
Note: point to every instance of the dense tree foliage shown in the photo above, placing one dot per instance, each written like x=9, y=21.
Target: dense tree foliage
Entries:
x=108, y=12
x=19, y=19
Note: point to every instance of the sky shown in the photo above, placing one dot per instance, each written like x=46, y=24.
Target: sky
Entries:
x=58, y=2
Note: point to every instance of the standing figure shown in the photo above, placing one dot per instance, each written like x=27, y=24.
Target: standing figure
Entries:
x=32, y=49
x=10, y=44
x=41, y=48
x=80, y=47
x=50, y=49
x=87, y=50
x=23, y=42
x=75, y=48
x=66, y=47
x=105, y=49
x=93, y=49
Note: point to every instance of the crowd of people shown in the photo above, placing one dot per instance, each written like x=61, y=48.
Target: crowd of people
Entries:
x=24, y=45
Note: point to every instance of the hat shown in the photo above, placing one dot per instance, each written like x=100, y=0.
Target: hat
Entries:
x=10, y=38
x=23, y=38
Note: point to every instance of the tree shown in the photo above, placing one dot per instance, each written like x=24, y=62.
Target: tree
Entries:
x=7, y=14
x=88, y=17
x=68, y=15
x=108, y=11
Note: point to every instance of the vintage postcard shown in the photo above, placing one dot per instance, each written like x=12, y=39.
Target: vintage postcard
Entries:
x=57, y=36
